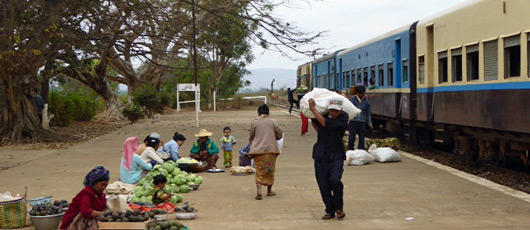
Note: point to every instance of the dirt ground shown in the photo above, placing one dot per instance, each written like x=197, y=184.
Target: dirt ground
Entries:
x=404, y=195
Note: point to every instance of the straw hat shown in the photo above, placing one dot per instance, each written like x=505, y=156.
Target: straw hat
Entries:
x=203, y=133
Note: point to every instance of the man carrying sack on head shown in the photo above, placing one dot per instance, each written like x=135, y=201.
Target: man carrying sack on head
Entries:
x=329, y=155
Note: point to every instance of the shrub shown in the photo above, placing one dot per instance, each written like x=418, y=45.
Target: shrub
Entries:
x=133, y=113
x=72, y=106
x=151, y=99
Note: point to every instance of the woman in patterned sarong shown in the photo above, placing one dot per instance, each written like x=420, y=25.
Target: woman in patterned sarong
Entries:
x=264, y=132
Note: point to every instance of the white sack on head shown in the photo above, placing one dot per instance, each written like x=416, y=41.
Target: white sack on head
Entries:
x=321, y=98
x=358, y=157
x=385, y=154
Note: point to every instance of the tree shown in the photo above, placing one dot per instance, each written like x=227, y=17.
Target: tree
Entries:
x=31, y=34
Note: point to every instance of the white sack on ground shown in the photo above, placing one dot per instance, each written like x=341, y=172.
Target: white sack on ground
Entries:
x=322, y=97
x=358, y=157
x=385, y=154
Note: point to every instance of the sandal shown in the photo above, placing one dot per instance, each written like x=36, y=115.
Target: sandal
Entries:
x=341, y=214
x=259, y=197
x=328, y=216
x=271, y=194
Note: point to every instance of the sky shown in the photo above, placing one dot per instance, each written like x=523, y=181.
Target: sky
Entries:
x=348, y=22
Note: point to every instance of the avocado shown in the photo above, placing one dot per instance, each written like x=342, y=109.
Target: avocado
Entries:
x=137, y=212
x=128, y=213
x=115, y=215
x=117, y=220
x=133, y=219
x=173, y=228
x=141, y=219
x=164, y=225
x=158, y=227
x=110, y=219
x=102, y=219
x=125, y=220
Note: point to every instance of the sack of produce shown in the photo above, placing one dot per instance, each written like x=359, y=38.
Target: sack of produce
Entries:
x=321, y=98
x=358, y=157
x=241, y=170
x=384, y=154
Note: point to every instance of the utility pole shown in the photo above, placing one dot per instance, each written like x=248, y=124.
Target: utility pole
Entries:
x=195, y=69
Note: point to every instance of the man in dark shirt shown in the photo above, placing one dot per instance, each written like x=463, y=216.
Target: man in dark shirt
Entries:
x=290, y=98
x=39, y=102
x=359, y=123
x=329, y=155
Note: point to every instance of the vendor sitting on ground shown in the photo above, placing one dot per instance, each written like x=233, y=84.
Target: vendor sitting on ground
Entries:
x=132, y=164
x=205, y=150
x=173, y=146
x=149, y=155
x=143, y=146
x=160, y=196
x=89, y=203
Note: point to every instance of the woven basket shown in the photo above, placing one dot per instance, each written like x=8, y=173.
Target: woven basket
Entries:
x=197, y=168
x=13, y=214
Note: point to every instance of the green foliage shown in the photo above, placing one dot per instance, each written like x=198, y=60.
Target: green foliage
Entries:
x=72, y=106
x=133, y=113
x=152, y=100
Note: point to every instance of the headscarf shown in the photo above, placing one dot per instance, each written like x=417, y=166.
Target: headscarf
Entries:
x=130, y=146
x=96, y=175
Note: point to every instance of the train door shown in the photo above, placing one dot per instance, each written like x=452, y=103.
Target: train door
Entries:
x=340, y=76
x=328, y=76
x=397, y=66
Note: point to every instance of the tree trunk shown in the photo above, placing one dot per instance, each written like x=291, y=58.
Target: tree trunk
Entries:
x=113, y=104
x=18, y=114
x=113, y=108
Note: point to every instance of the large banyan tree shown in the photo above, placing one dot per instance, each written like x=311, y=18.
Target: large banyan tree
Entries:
x=86, y=39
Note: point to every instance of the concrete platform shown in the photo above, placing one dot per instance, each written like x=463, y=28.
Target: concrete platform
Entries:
x=377, y=196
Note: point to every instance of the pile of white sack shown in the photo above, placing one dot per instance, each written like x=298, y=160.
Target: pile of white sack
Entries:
x=361, y=157
x=321, y=98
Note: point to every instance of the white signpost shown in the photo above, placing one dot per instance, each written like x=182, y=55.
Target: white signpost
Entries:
x=197, y=101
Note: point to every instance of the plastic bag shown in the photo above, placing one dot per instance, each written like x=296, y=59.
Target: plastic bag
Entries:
x=358, y=157
x=321, y=98
x=280, y=143
x=384, y=154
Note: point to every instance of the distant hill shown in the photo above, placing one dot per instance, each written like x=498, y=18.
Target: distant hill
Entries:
x=262, y=78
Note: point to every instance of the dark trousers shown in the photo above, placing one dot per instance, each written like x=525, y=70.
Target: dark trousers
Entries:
x=295, y=102
x=329, y=175
x=356, y=128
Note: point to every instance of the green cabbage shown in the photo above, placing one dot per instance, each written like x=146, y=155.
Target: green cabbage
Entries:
x=184, y=188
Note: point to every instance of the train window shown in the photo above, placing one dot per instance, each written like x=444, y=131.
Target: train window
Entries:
x=491, y=54
x=390, y=73
x=472, y=62
x=421, y=69
x=345, y=81
x=442, y=67
x=359, y=78
x=405, y=70
x=382, y=75
x=512, y=56
x=456, y=63
x=365, y=77
x=372, y=76
x=352, y=78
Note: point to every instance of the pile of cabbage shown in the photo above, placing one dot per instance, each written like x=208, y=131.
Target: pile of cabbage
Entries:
x=177, y=183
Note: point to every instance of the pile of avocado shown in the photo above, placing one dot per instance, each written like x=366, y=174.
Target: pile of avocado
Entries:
x=169, y=225
x=129, y=216
x=49, y=209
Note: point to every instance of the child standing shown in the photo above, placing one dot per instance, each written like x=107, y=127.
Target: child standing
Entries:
x=227, y=143
x=160, y=196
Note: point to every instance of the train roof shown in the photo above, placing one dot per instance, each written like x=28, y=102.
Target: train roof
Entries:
x=327, y=56
x=450, y=10
x=378, y=38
